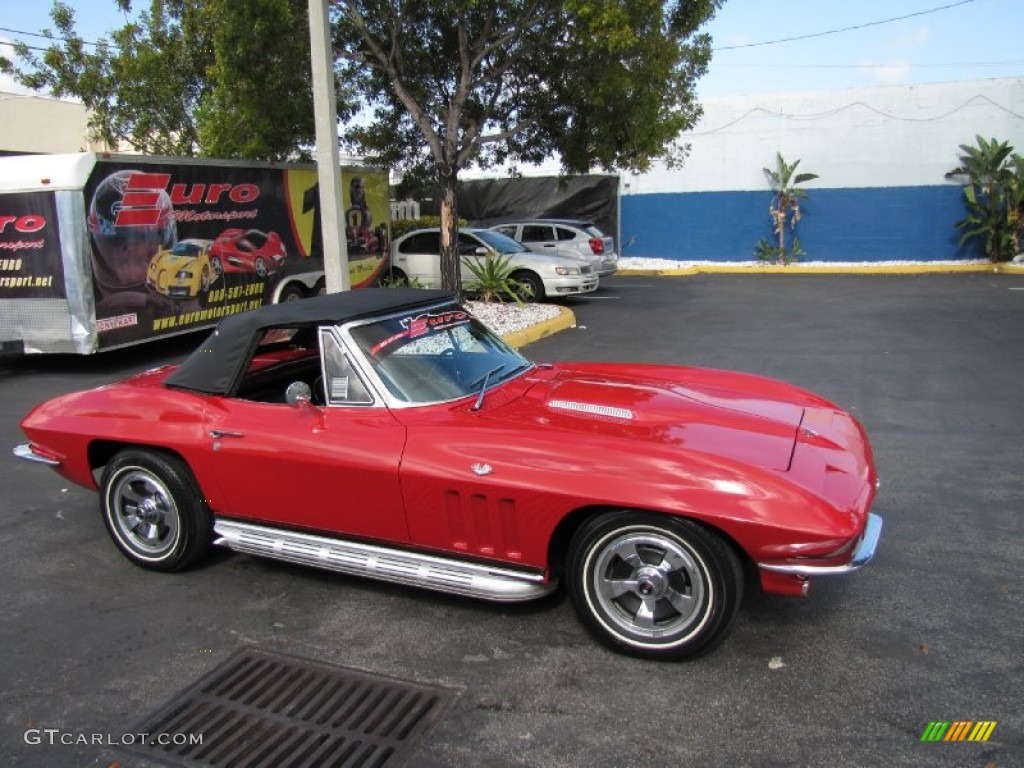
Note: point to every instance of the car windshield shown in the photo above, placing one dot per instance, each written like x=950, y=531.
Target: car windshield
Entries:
x=436, y=355
x=499, y=242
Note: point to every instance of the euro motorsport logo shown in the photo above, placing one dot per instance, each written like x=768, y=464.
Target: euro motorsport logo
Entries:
x=958, y=730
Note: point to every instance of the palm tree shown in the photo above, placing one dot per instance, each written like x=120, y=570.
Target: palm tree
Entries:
x=785, y=209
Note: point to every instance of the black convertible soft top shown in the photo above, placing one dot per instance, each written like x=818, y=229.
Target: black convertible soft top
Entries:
x=218, y=364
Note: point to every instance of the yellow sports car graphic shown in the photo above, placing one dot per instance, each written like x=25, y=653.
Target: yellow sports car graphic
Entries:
x=183, y=271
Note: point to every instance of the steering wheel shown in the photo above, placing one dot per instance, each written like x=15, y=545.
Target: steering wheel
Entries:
x=319, y=395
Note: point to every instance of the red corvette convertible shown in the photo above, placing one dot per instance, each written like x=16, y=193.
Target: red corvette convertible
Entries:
x=419, y=448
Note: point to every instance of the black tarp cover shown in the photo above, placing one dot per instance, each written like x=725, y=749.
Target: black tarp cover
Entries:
x=594, y=198
x=219, y=362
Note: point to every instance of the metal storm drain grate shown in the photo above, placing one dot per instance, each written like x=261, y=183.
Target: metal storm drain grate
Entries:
x=268, y=709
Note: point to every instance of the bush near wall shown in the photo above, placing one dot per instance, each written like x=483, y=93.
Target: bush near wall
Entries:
x=399, y=228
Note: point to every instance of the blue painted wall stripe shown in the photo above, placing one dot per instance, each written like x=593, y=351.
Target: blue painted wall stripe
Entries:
x=863, y=224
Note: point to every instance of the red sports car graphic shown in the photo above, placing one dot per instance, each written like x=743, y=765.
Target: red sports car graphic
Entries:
x=247, y=250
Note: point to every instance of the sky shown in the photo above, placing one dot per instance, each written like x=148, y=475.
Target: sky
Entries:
x=940, y=41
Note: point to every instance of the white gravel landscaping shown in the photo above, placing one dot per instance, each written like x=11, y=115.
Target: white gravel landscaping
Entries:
x=509, y=317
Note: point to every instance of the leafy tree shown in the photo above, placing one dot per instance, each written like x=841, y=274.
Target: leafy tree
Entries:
x=455, y=83
x=994, y=195
x=444, y=85
x=784, y=210
x=261, y=102
x=215, y=77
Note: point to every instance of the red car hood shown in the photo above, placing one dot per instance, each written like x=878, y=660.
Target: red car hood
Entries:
x=735, y=416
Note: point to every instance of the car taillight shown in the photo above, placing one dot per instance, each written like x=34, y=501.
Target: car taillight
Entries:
x=597, y=245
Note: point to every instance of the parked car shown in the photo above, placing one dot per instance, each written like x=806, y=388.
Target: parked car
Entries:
x=387, y=433
x=566, y=237
x=182, y=271
x=417, y=256
x=248, y=250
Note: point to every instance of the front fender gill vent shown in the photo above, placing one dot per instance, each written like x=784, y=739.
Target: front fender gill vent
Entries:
x=268, y=709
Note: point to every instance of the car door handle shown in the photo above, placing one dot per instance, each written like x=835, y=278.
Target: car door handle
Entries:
x=217, y=434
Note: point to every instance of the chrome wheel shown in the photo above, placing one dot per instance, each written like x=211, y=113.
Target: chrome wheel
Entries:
x=154, y=510
x=143, y=513
x=653, y=585
x=647, y=584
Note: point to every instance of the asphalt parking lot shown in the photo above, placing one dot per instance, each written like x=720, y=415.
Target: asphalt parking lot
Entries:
x=931, y=630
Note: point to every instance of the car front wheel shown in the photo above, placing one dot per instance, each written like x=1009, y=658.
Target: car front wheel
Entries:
x=653, y=586
x=154, y=511
x=531, y=286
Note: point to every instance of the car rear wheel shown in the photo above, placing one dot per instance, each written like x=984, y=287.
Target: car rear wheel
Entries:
x=291, y=292
x=533, y=286
x=653, y=586
x=394, y=276
x=260, y=266
x=154, y=511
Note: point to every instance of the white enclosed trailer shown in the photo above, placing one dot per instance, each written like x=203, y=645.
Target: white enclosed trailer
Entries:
x=98, y=251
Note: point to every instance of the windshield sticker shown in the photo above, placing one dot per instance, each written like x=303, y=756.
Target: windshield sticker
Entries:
x=422, y=325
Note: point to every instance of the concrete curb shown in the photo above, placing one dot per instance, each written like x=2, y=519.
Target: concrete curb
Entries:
x=565, y=319
x=797, y=269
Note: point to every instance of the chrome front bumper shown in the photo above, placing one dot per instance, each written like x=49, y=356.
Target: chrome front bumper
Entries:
x=862, y=554
x=25, y=451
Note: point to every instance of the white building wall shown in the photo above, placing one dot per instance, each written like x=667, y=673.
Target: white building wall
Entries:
x=881, y=155
x=888, y=136
x=33, y=124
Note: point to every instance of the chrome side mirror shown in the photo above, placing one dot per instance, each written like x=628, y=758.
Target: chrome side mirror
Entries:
x=298, y=392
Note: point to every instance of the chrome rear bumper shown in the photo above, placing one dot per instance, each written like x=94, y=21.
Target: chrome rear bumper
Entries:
x=862, y=554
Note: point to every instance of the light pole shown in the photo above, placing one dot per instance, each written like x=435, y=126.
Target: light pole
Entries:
x=328, y=159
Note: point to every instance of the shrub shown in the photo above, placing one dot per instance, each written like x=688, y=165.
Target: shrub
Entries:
x=399, y=228
x=994, y=194
x=492, y=278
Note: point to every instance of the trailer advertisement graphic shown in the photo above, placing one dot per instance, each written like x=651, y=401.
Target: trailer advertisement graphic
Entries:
x=30, y=254
x=175, y=246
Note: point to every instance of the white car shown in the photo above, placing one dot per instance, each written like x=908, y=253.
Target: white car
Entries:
x=566, y=237
x=416, y=256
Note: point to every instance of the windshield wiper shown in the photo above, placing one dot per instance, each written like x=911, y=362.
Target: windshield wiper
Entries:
x=483, y=386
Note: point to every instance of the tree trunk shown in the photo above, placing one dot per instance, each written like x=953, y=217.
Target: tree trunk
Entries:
x=451, y=271
x=780, y=222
